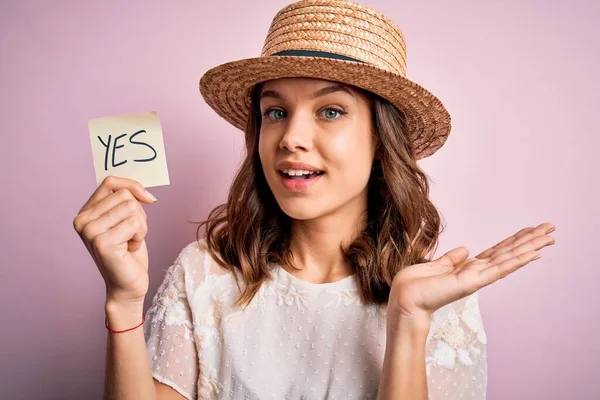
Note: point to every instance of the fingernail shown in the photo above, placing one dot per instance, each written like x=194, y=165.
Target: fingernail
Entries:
x=552, y=229
x=537, y=257
x=150, y=195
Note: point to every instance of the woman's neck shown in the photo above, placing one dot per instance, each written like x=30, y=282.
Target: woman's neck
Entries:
x=316, y=246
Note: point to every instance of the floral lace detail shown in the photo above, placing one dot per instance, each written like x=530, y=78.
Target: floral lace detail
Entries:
x=351, y=297
x=209, y=335
x=290, y=294
x=169, y=306
x=208, y=323
x=286, y=292
x=471, y=316
x=344, y=297
x=456, y=341
x=208, y=388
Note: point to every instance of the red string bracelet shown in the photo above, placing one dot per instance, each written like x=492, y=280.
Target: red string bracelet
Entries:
x=126, y=330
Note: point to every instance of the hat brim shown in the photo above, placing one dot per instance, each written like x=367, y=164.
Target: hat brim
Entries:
x=227, y=89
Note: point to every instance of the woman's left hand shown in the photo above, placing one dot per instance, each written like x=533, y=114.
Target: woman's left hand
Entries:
x=420, y=289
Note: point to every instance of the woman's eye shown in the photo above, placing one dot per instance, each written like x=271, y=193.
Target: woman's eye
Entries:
x=332, y=113
x=274, y=114
x=328, y=113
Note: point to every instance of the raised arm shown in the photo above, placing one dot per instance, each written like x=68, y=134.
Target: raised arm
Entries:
x=418, y=291
x=112, y=225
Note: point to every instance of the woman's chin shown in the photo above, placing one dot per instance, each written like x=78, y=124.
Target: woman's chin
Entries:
x=297, y=210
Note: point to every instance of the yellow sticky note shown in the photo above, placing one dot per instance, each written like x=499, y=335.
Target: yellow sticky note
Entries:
x=129, y=146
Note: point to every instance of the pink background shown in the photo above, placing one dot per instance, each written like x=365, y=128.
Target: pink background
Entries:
x=519, y=77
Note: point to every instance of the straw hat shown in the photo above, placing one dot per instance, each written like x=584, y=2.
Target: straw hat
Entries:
x=335, y=40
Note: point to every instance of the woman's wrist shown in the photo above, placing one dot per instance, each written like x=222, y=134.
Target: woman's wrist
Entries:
x=123, y=315
x=408, y=326
x=407, y=336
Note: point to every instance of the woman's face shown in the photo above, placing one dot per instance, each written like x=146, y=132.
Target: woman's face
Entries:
x=316, y=146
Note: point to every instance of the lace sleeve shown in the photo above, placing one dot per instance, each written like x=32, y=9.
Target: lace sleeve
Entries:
x=456, y=354
x=169, y=334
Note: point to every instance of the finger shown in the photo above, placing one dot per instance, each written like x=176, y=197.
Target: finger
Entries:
x=518, y=238
x=539, y=232
x=499, y=271
x=128, y=230
x=534, y=245
x=505, y=243
x=110, y=219
x=105, y=205
x=453, y=257
x=534, y=240
x=111, y=184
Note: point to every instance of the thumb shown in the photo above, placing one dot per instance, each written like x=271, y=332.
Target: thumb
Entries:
x=453, y=257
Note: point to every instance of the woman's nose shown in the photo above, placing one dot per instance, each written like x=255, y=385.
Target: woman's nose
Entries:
x=297, y=134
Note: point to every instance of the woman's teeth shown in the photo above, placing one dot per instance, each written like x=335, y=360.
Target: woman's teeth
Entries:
x=299, y=173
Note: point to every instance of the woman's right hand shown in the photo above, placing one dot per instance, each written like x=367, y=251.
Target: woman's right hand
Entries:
x=112, y=224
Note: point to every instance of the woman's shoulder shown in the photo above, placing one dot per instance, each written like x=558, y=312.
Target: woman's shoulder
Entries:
x=196, y=260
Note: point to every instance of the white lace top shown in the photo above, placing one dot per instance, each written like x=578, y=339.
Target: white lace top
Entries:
x=296, y=340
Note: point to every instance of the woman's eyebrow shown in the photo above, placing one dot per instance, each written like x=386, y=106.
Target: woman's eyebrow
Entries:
x=271, y=93
x=331, y=89
x=321, y=92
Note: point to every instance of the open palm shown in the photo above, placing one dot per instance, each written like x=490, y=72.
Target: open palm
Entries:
x=421, y=289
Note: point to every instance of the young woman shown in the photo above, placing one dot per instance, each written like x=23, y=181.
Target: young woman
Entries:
x=315, y=280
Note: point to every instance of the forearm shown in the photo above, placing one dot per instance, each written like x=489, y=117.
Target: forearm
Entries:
x=127, y=374
x=403, y=374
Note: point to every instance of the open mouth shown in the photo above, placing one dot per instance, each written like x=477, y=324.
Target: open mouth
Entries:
x=296, y=174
